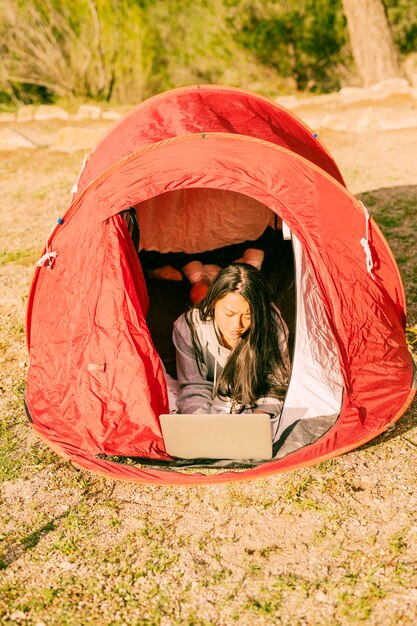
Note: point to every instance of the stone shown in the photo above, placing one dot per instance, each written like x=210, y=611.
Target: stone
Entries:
x=351, y=95
x=365, y=120
x=88, y=112
x=335, y=122
x=48, y=112
x=18, y=616
x=26, y=113
x=390, y=87
x=112, y=115
x=12, y=140
x=404, y=122
x=74, y=137
x=311, y=120
x=378, y=91
x=321, y=596
x=7, y=117
x=68, y=565
x=323, y=98
x=289, y=102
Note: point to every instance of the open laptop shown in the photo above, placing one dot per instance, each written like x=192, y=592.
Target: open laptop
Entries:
x=218, y=436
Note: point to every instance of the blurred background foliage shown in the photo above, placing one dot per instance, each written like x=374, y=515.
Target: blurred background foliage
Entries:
x=126, y=50
x=402, y=16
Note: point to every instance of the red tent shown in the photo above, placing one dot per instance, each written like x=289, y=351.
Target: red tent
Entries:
x=95, y=383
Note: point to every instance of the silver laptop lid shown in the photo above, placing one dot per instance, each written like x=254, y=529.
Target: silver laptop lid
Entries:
x=218, y=436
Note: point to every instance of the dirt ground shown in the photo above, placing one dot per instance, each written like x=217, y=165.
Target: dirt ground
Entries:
x=327, y=545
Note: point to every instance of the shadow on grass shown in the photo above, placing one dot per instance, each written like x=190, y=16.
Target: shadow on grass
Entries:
x=23, y=544
x=32, y=539
x=399, y=430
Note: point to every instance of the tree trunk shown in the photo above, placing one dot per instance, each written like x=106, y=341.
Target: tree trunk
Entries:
x=371, y=40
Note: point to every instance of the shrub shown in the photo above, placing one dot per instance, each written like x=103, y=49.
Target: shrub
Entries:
x=53, y=48
x=127, y=50
x=304, y=39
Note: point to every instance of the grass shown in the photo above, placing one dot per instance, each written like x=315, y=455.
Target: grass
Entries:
x=28, y=256
x=335, y=544
x=397, y=218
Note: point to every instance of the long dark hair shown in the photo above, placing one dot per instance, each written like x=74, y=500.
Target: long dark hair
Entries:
x=256, y=366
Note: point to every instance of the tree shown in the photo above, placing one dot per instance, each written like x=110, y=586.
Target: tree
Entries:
x=373, y=47
x=302, y=40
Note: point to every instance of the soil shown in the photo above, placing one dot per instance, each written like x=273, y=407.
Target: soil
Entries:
x=332, y=544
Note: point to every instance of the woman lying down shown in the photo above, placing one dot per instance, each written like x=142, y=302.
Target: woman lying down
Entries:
x=231, y=348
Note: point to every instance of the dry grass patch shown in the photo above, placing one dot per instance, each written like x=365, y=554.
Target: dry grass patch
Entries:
x=334, y=544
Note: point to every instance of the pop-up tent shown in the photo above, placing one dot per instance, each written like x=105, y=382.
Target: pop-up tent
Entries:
x=205, y=167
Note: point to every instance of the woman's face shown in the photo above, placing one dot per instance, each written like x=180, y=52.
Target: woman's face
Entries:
x=232, y=316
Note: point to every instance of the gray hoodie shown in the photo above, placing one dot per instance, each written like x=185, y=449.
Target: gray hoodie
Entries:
x=196, y=390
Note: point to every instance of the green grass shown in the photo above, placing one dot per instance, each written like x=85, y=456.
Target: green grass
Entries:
x=28, y=256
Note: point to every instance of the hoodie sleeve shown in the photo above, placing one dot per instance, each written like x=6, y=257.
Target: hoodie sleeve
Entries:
x=195, y=395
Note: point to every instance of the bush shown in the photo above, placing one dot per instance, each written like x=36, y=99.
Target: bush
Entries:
x=402, y=15
x=301, y=39
x=52, y=48
x=193, y=42
x=127, y=50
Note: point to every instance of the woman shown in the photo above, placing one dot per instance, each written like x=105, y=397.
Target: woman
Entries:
x=231, y=348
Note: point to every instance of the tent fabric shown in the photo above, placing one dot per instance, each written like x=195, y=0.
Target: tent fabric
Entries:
x=203, y=109
x=316, y=385
x=188, y=213
x=95, y=381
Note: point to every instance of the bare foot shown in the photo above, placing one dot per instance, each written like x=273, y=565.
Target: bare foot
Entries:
x=254, y=257
x=165, y=273
x=193, y=271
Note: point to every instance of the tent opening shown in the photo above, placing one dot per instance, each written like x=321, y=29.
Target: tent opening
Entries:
x=213, y=224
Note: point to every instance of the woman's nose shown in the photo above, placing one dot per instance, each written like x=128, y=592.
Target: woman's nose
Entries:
x=237, y=323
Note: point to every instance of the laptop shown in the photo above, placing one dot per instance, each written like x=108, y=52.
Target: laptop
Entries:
x=218, y=436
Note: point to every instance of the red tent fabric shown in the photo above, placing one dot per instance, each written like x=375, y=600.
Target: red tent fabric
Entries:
x=95, y=382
